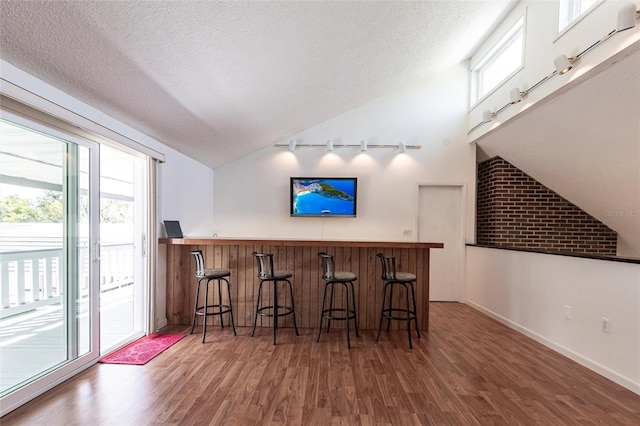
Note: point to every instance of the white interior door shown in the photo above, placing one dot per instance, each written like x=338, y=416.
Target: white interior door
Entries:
x=441, y=220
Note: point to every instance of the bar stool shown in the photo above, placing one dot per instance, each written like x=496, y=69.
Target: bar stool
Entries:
x=393, y=278
x=331, y=278
x=266, y=273
x=206, y=309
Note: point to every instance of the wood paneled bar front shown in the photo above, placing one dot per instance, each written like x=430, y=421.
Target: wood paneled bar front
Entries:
x=299, y=257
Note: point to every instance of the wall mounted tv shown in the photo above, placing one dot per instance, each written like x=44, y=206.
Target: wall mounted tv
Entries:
x=323, y=196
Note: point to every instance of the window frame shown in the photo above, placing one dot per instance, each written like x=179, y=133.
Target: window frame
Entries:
x=573, y=14
x=518, y=29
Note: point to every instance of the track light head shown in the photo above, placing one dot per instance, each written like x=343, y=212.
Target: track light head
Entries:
x=363, y=145
x=292, y=146
x=516, y=95
x=488, y=116
x=562, y=64
x=402, y=146
x=627, y=16
x=329, y=145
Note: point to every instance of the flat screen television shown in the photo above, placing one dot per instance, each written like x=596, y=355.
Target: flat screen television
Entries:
x=323, y=196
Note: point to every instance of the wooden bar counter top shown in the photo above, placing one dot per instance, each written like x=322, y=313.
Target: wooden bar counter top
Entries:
x=300, y=257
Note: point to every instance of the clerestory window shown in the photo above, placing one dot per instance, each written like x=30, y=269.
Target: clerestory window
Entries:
x=502, y=61
x=570, y=10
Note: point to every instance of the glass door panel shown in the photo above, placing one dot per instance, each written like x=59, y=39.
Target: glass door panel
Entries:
x=122, y=224
x=45, y=270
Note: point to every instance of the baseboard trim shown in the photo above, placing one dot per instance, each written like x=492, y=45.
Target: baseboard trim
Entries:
x=586, y=362
x=161, y=323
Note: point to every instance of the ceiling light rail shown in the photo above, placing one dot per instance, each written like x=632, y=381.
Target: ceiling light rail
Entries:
x=627, y=17
x=362, y=146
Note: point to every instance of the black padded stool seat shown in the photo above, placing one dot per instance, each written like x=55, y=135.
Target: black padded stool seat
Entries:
x=391, y=279
x=266, y=273
x=214, y=274
x=348, y=311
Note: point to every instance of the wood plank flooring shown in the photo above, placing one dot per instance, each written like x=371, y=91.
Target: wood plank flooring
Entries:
x=467, y=370
x=35, y=341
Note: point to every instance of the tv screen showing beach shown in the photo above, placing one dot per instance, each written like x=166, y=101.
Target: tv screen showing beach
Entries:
x=323, y=196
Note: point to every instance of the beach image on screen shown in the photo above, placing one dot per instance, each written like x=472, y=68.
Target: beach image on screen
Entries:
x=323, y=197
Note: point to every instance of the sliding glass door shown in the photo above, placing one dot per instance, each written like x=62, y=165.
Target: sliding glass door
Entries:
x=49, y=272
x=75, y=265
x=123, y=220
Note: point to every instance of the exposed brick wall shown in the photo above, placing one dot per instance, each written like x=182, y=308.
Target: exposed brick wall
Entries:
x=514, y=210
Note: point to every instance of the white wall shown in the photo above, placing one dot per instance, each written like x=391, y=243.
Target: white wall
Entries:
x=563, y=133
x=185, y=185
x=186, y=194
x=252, y=193
x=528, y=292
x=542, y=46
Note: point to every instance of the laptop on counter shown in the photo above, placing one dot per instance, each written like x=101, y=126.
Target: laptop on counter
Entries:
x=173, y=229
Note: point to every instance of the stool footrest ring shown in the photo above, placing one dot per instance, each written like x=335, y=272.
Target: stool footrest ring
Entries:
x=348, y=314
x=282, y=311
x=388, y=313
x=222, y=309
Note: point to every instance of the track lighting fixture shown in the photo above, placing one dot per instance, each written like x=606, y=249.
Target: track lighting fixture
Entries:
x=562, y=64
x=487, y=116
x=516, y=96
x=363, y=145
x=627, y=16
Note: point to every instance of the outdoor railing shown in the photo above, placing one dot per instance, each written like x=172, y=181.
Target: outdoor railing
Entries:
x=33, y=278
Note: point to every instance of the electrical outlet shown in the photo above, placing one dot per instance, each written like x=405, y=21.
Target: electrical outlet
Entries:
x=567, y=312
x=605, y=325
x=407, y=232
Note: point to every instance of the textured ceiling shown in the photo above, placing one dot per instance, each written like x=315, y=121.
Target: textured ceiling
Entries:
x=218, y=80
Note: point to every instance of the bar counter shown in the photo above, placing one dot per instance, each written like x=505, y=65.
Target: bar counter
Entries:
x=300, y=257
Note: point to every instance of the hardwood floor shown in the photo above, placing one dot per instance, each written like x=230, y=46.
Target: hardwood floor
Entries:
x=468, y=369
x=34, y=341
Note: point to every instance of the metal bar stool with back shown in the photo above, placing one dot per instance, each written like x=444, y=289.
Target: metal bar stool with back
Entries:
x=393, y=278
x=348, y=311
x=266, y=273
x=208, y=308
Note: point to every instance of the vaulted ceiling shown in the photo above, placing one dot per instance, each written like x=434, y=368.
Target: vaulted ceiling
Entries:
x=219, y=80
